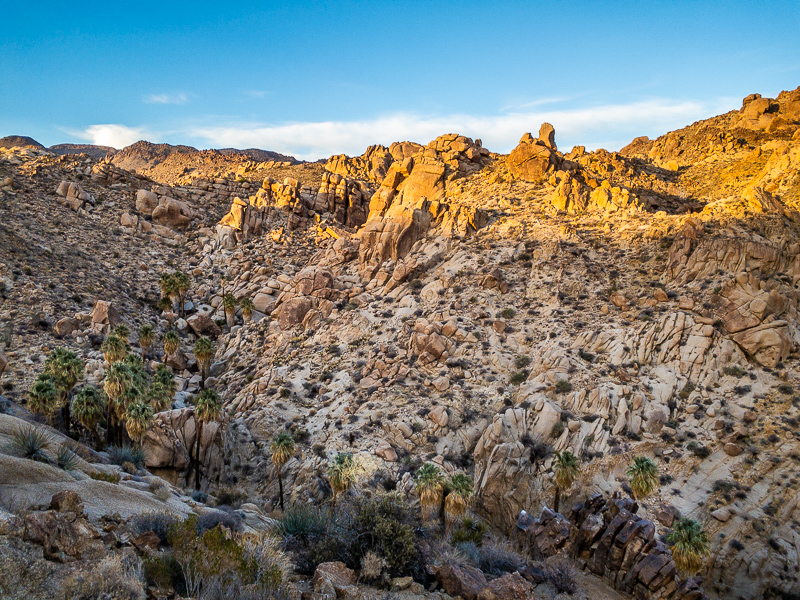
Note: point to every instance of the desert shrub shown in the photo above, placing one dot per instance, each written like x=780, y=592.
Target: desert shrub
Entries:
x=30, y=442
x=214, y=517
x=66, y=459
x=103, y=476
x=698, y=450
x=561, y=574
x=230, y=496
x=786, y=388
x=119, y=455
x=563, y=386
x=157, y=522
x=522, y=361
x=372, y=566
x=469, y=530
x=162, y=571
x=386, y=524
x=494, y=557
x=443, y=553
x=160, y=490
x=199, y=496
x=508, y=313
x=303, y=521
x=733, y=371
x=558, y=429
x=518, y=377
x=114, y=577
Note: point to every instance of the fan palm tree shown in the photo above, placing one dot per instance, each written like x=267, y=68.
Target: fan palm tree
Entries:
x=207, y=408
x=114, y=349
x=643, y=474
x=182, y=284
x=459, y=490
x=430, y=488
x=87, y=408
x=164, y=304
x=282, y=449
x=689, y=545
x=118, y=378
x=122, y=331
x=203, y=351
x=247, y=309
x=169, y=288
x=138, y=418
x=66, y=369
x=164, y=376
x=146, y=338
x=43, y=396
x=565, y=466
x=342, y=474
x=171, y=342
x=158, y=396
x=229, y=303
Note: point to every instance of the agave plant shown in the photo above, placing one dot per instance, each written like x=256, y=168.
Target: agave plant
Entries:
x=643, y=474
x=429, y=486
x=565, y=467
x=207, y=408
x=282, y=449
x=689, y=545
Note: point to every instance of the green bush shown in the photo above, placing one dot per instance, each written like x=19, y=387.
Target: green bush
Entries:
x=563, y=386
x=558, y=429
x=161, y=570
x=469, y=530
x=493, y=557
x=157, y=522
x=303, y=521
x=519, y=377
x=102, y=476
x=733, y=371
x=508, y=313
x=522, y=361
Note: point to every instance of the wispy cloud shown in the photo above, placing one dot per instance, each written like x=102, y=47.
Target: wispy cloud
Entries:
x=166, y=98
x=114, y=135
x=258, y=93
x=500, y=133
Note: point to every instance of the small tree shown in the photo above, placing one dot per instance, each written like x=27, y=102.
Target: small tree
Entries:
x=643, y=474
x=203, y=351
x=430, y=487
x=247, y=309
x=229, y=304
x=689, y=545
x=66, y=369
x=458, y=490
x=207, y=408
x=565, y=467
x=147, y=336
x=282, y=449
x=171, y=343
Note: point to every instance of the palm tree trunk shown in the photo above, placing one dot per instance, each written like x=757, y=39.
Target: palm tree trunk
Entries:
x=109, y=424
x=65, y=414
x=557, y=499
x=280, y=486
x=197, y=455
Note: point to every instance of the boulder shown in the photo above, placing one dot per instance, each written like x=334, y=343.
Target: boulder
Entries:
x=335, y=574
x=203, y=325
x=66, y=326
x=385, y=451
x=532, y=159
x=3, y=361
x=67, y=502
x=511, y=586
x=456, y=580
x=146, y=201
x=104, y=313
x=172, y=213
x=293, y=311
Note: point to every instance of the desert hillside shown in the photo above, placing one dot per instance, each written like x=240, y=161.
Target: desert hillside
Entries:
x=429, y=371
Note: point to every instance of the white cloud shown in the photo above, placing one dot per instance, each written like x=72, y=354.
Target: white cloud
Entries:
x=259, y=93
x=500, y=133
x=166, y=99
x=116, y=136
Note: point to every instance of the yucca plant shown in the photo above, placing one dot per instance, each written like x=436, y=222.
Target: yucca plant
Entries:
x=459, y=491
x=207, y=408
x=689, y=545
x=66, y=459
x=30, y=442
x=643, y=474
x=114, y=349
x=282, y=449
x=247, y=309
x=429, y=486
x=229, y=304
x=204, y=351
x=171, y=342
x=147, y=336
x=566, y=469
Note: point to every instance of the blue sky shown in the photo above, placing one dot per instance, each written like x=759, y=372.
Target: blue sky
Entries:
x=318, y=78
